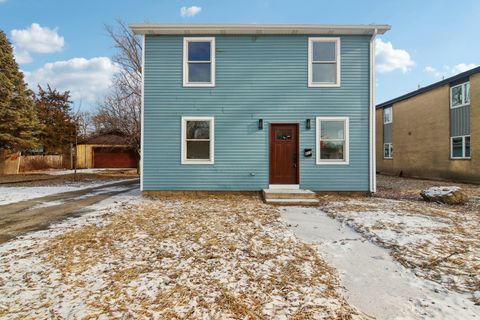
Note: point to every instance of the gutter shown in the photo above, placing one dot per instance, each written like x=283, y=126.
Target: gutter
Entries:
x=372, y=113
x=142, y=116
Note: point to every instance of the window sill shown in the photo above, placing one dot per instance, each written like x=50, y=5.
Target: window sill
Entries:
x=321, y=163
x=324, y=85
x=462, y=105
x=469, y=158
x=387, y=158
x=199, y=85
x=197, y=162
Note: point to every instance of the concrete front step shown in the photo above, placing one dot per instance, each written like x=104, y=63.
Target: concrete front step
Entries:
x=290, y=197
x=288, y=194
x=293, y=202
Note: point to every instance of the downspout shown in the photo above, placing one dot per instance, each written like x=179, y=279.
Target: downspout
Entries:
x=373, y=166
x=142, y=107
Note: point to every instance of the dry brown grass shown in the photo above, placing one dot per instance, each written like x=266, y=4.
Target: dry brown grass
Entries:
x=444, y=246
x=193, y=257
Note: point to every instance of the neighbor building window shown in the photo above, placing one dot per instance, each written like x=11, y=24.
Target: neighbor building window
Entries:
x=460, y=95
x=460, y=147
x=388, y=150
x=387, y=115
x=197, y=140
x=199, y=62
x=324, y=62
x=332, y=140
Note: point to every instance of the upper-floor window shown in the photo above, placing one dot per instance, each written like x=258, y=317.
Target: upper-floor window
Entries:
x=460, y=95
x=387, y=115
x=199, y=62
x=332, y=140
x=323, y=62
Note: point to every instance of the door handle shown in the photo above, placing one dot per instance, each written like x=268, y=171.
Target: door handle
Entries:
x=295, y=159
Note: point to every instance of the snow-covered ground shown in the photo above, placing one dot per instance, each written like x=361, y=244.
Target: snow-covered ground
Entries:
x=227, y=257
x=437, y=242
x=15, y=194
x=372, y=280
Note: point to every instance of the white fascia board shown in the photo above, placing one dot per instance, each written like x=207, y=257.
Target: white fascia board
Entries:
x=258, y=29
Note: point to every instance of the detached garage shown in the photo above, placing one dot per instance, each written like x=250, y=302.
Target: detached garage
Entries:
x=106, y=151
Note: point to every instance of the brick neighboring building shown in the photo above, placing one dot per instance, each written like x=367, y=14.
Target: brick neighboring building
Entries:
x=433, y=132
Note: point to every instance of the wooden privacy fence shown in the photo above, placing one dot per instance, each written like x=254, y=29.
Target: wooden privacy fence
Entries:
x=13, y=163
x=39, y=162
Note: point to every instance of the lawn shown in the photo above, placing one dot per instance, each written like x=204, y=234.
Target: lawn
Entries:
x=438, y=242
x=225, y=257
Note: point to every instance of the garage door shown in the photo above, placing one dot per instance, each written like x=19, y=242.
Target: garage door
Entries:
x=114, y=158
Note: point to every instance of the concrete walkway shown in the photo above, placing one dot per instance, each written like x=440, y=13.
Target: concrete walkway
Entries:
x=38, y=213
x=372, y=281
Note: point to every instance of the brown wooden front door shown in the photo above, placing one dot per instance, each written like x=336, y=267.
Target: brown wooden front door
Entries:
x=284, y=154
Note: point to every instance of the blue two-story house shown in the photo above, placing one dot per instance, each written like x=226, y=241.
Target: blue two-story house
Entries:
x=248, y=107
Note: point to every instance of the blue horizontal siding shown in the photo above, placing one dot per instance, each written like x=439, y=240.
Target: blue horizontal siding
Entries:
x=256, y=77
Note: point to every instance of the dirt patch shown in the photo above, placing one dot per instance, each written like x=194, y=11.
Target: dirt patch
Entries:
x=207, y=257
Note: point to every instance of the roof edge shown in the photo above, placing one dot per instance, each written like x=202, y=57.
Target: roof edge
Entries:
x=429, y=87
x=259, y=29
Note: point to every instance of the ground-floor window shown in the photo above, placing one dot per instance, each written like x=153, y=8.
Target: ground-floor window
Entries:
x=197, y=140
x=460, y=147
x=388, y=151
x=332, y=140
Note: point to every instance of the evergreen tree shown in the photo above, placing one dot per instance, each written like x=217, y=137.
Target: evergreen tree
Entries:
x=19, y=125
x=54, y=112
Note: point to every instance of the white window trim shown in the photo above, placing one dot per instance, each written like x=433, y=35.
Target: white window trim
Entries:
x=391, y=115
x=464, y=92
x=345, y=161
x=212, y=140
x=464, y=149
x=390, y=145
x=311, y=40
x=186, y=40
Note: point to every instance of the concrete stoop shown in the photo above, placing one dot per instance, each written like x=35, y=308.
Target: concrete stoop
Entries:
x=290, y=197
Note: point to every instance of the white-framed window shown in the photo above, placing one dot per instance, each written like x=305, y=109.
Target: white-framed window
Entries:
x=332, y=140
x=198, y=140
x=323, y=62
x=198, y=62
x=387, y=115
x=388, y=150
x=460, y=147
x=460, y=95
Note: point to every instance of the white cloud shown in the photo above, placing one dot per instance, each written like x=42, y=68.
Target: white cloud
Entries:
x=448, y=71
x=190, y=11
x=433, y=71
x=389, y=59
x=35, y=39
x=462, y=67
x=22, y=56
x=86, y=79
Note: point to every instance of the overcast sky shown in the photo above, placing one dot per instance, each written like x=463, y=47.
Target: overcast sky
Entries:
x=64, y=42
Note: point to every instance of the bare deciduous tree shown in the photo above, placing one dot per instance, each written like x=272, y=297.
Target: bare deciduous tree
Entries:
x=84, y=123
x=120, y=110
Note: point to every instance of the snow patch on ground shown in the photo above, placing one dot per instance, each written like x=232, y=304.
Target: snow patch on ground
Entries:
x=373, y=281
x=440, y=191
x=129, y=257
x=16, y=194
x=438, y=242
